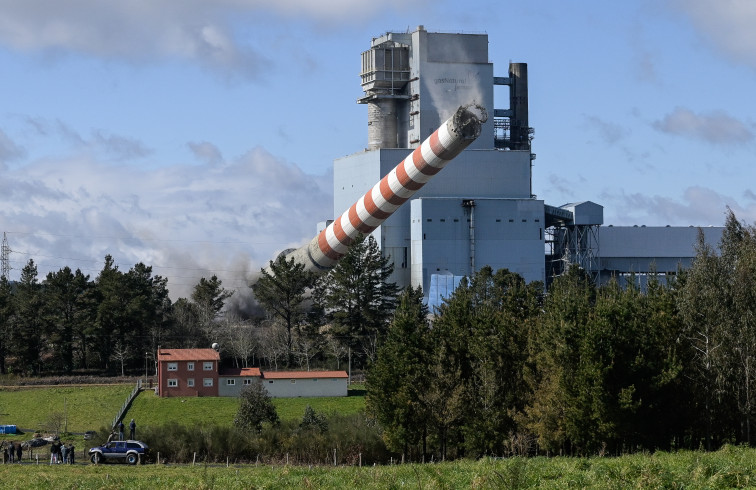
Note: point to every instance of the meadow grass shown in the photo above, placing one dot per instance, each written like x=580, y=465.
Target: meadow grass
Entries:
x=150, y=410
x=82, y=408
x=731, y=467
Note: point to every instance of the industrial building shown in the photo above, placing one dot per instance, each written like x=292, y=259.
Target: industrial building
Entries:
x=481, y=209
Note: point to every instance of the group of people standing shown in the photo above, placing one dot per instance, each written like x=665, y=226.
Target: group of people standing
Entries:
x=62, y=453
x=12, y=452
x=132, y=430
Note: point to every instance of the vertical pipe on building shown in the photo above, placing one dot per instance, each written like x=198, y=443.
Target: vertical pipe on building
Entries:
x=470, y=204
x=382, y=124
x=472, y=241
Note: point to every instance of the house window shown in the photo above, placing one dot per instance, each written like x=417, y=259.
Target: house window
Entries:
x=271, y=381
x=247, y=381
x=172, y=383
x=230, y=382
x=207, y=382
x=293, y=380
x=208, y=366
x=190, y=382
x=172, y=366
x=190, y=366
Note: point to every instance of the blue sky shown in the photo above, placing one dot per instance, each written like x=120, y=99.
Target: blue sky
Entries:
x=198, y=136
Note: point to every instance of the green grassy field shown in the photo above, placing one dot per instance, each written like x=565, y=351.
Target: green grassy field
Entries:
x=728, y=468
x=81, y=408
x=149, y=409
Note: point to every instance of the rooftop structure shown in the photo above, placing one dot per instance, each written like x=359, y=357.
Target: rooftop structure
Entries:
x=481, y=210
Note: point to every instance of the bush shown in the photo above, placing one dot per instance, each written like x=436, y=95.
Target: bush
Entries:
x=350, y=435
x=255, y=407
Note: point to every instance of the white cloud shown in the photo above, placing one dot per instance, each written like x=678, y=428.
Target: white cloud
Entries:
x=698, y=206
x=187, y=221
x=716, y=127
x=728, y=24
x=198, y=30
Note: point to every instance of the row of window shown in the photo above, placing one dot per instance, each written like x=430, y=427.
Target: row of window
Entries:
x=206, y=366
x=173, y=383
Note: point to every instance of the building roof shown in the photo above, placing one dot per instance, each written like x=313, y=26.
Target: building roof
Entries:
x=188, y=355
x=304, y=374
x=248, y=371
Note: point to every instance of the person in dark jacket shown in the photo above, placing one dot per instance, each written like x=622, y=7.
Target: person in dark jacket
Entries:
x=19, y=451
x=132, y=429
x=120, y=430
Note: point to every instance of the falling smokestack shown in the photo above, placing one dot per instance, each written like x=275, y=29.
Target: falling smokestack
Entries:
x=397, y=187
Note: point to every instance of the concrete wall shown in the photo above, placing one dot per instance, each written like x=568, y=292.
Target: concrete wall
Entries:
x=509, y=233
x=639, y=248
x=232, y=385
x=291, y=388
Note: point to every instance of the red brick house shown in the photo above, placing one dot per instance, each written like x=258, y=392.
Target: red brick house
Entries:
x=187, y=372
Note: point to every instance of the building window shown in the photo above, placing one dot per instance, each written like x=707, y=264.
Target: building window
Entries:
x=207, y=382
x=190, y=382
x=230, y=382
x=172, y=366
x=293, y=380
x=172, y=383
x=247, y=381
x=208, y=366
x=190, y=366
x=271, y=381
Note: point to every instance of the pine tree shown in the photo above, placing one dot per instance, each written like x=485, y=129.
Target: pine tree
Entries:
x=281, y=291
x=554, y=362
x=399, y=374
x=6, y=321
x=359, y=299
x=66, y=311
x=208, y=299
x=28, y=324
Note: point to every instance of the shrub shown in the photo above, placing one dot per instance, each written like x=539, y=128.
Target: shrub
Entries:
x=255, y=407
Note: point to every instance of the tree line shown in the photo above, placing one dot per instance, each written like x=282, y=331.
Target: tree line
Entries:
x=70, y=323
x=503, y=368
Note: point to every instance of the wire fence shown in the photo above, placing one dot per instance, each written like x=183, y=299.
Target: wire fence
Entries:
x=126, y=404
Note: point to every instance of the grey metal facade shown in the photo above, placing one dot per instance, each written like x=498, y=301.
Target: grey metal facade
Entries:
x=481, y=209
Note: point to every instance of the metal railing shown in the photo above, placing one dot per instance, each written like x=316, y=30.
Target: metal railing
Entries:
x=126, y=404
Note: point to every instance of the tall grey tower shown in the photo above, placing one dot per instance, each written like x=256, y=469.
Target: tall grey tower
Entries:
x=480, y=210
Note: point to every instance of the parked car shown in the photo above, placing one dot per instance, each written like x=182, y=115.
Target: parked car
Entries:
x=128, y=451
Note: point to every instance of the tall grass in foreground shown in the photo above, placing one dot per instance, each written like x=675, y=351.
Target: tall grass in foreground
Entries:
x=731, y=467
x=348, y=438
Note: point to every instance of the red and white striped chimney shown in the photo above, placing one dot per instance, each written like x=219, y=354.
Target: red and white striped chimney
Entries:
x=398, y=186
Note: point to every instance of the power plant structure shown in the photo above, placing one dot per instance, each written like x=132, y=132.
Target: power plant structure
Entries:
x=481, y=210
x=393, y=190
